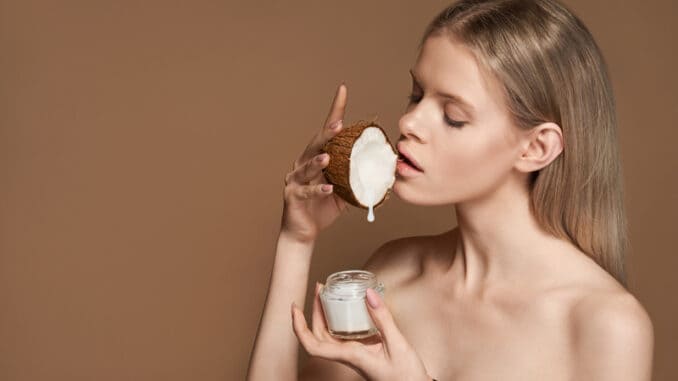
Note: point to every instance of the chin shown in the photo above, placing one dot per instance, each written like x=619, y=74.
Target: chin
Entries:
x=411, y=196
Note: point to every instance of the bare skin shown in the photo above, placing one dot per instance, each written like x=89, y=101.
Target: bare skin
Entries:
x=496, y=298
x=527, y=329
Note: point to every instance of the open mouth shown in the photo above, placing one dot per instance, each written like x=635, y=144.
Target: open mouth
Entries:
x=407, y=161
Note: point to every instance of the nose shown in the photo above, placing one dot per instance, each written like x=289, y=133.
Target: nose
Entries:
x=410, y=124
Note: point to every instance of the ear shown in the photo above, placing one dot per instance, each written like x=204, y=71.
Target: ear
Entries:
x=542, y=145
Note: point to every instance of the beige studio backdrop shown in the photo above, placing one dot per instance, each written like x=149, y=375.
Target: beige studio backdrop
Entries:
x=143, y=147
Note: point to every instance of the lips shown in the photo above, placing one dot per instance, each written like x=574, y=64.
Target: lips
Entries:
x=407, y=158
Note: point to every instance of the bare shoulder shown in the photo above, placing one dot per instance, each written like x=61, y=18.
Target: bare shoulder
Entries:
x=615, y=313
x=400, y=260
x=613, y=336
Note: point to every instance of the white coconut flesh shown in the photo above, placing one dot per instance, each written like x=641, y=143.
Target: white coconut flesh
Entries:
x=372, y=168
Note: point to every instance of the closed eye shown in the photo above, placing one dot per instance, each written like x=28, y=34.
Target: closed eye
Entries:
x=411, y=98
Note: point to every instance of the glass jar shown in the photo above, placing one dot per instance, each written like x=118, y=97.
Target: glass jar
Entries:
x=343, y=301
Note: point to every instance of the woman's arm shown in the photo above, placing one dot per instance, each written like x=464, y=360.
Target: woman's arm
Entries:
x=275, y=352
x=309, y=207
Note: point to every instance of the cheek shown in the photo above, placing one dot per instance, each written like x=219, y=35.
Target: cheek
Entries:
x=476, y=165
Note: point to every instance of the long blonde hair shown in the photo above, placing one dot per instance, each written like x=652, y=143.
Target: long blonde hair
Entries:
x=553, y=71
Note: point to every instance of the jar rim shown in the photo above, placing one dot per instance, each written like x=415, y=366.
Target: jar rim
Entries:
x=351, y=284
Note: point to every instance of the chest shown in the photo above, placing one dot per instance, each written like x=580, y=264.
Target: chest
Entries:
x=485, y=342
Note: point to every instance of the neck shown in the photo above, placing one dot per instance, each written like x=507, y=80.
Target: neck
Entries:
x=499, y=241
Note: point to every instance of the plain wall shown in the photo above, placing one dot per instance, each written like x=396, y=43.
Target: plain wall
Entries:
x=143, y=147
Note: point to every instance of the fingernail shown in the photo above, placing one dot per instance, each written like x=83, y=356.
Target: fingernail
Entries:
x=336, y=124
x=372, y=298
x=327, y=188
x=321, y=157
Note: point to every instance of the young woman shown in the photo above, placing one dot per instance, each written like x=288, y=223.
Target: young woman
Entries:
x=512, y=119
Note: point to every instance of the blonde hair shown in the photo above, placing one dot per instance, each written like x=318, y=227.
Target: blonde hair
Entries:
x=552, y=70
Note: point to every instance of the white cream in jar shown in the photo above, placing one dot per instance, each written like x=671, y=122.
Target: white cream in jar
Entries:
x=343, y=301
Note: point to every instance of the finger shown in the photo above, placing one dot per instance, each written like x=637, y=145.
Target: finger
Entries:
x=300, y=328
x=319, y=326
x=332, y=126
x=312, y=344
x=311, y=170
x=383, y=320
x=338, y=106
x=307, y=192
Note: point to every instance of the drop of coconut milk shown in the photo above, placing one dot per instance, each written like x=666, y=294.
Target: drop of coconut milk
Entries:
x=370, y=214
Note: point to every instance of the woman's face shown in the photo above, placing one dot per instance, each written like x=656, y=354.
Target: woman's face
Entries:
x=464, y=143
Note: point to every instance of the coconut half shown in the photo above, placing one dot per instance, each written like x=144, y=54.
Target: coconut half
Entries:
x=362, y=165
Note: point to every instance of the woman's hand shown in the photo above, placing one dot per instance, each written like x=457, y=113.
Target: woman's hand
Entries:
x=386, y=357
x=308, y=208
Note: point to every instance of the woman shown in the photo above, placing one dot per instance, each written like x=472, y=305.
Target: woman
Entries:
x=511, y=119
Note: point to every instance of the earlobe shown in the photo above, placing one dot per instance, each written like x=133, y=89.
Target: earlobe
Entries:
x=543, y=144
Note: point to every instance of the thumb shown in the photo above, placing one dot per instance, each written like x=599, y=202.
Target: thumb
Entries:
x=383, y=319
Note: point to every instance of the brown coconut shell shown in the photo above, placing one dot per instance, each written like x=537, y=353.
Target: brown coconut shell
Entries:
x=338, y=170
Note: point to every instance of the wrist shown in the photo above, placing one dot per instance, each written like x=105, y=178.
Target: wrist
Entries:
x=297, y=239
x=293, y=257
x=291, y=247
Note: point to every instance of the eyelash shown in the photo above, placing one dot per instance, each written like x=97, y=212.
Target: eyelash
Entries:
x=411, y=98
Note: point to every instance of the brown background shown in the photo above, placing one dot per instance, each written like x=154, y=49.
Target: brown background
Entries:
x=143, y=149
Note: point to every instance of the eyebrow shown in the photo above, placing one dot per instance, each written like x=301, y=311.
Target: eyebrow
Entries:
x=453, y=97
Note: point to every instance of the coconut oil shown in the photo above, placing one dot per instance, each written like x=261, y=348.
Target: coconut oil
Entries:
x=343, y=301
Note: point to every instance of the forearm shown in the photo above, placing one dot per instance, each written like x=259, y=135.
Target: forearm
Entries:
x=274, y=356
